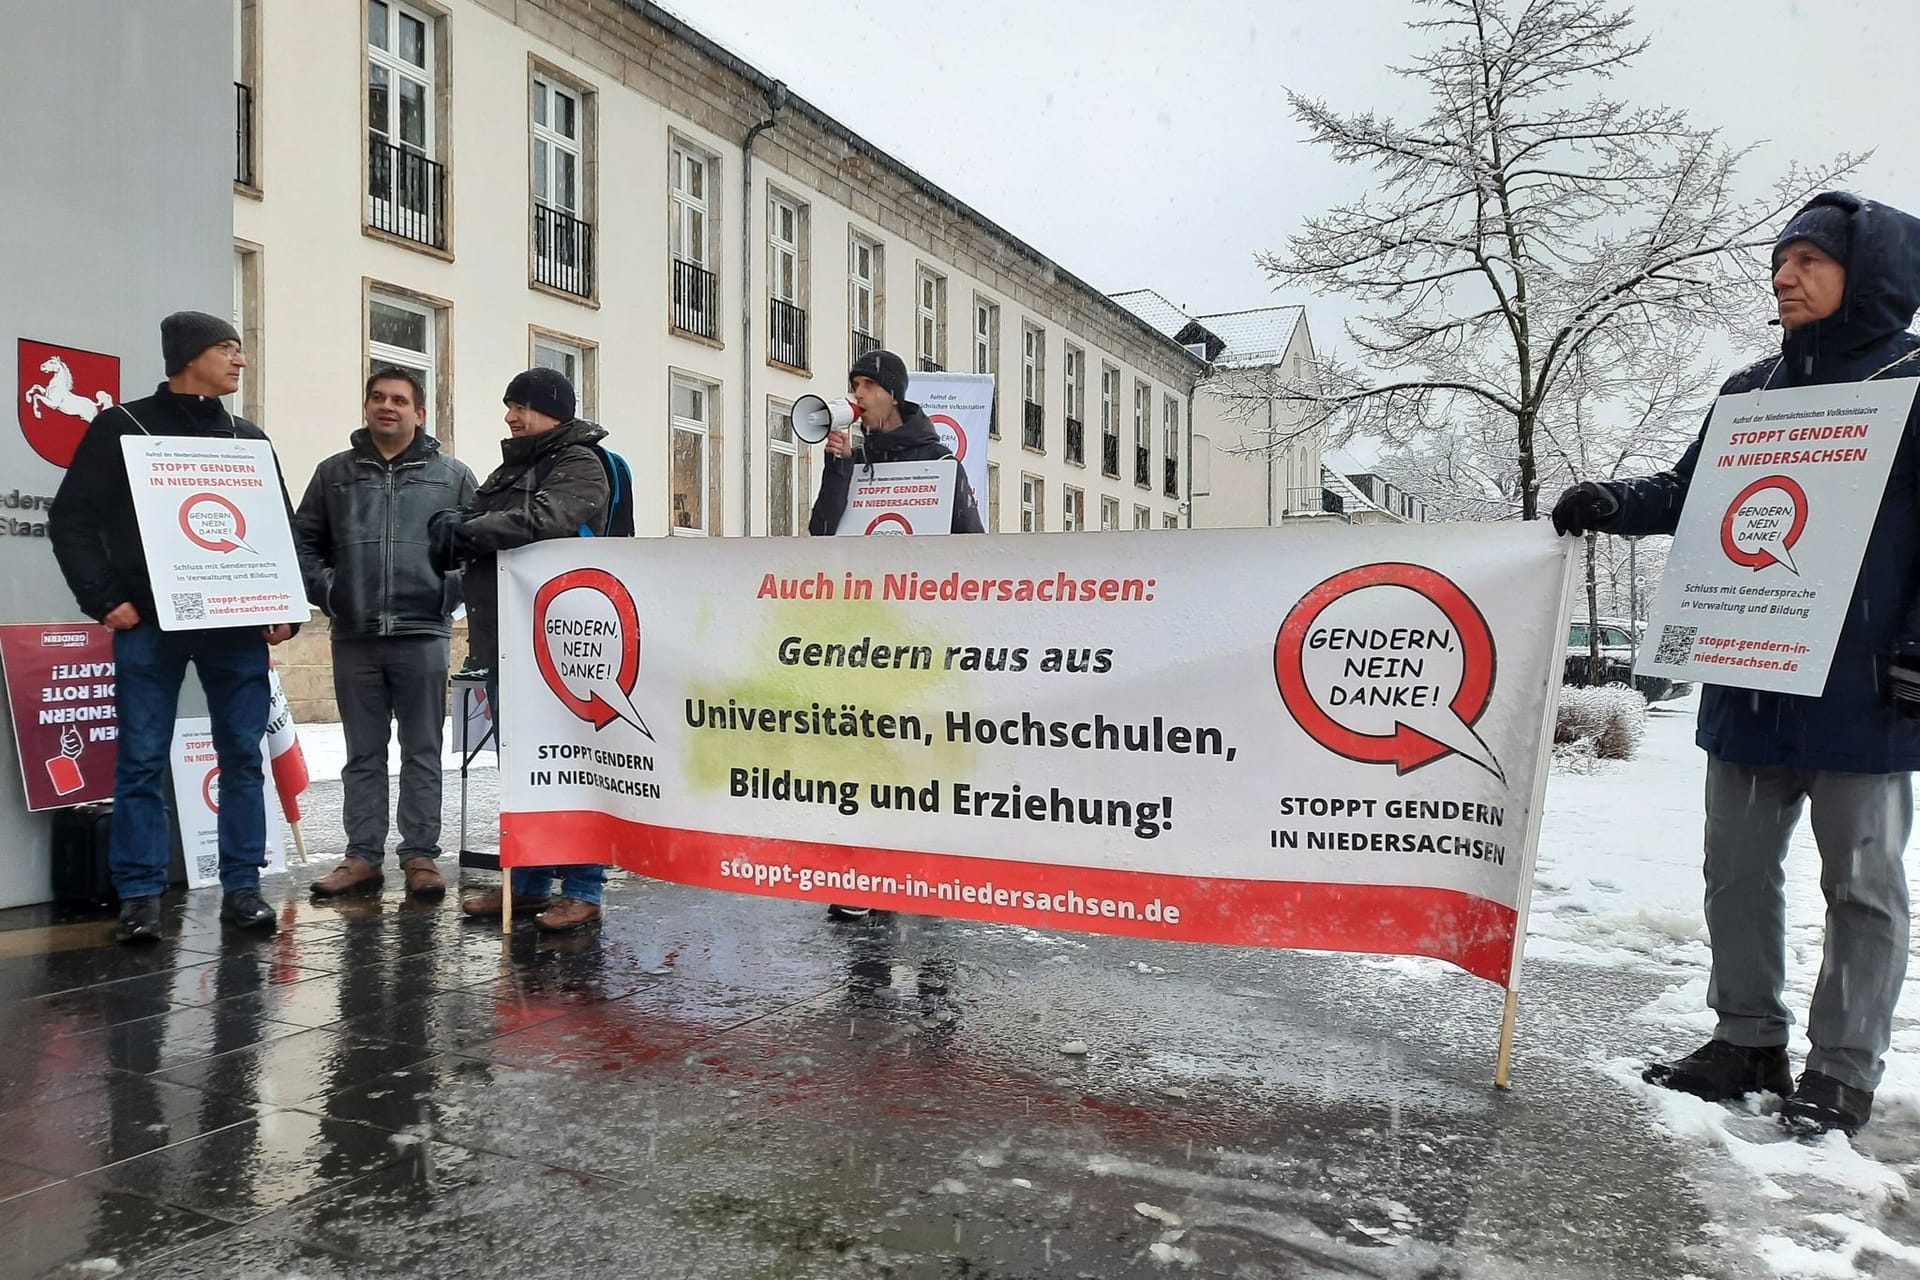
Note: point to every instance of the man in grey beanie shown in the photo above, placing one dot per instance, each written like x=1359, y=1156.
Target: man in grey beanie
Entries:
x=96, y=539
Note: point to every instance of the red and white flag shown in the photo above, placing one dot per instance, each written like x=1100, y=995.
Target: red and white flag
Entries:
x=283, y=749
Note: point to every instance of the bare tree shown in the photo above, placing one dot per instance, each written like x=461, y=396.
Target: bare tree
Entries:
x=1520, y=224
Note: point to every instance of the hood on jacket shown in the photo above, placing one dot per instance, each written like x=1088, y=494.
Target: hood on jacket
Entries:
x=518, y=449
x=1882, y=287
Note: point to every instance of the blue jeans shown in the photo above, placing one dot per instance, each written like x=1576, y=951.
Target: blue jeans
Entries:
x=149, y=667
x=584, y=881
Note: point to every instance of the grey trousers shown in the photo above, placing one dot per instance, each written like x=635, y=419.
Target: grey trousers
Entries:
x=377, y=682
x=1860, y=822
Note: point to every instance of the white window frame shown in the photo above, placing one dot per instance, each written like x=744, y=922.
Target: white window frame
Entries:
x=1033, y=500
x=424, y=363
x=930, y=318
x=1170, y=426
x=546, y=91
x=1109, y=410
x=788, y=249
x=703, y=430
x=1142, y=414
x=687, y=205
x=779, y=416
x=1172, y=521
x=397, y=67
x=986, y=336
x=1142, y=517
x=1033, y=363
x=582, y=355
x=1073, y=508
x=1072, y=378
x=993, y=497
x=1109, y=513
x=863, y=288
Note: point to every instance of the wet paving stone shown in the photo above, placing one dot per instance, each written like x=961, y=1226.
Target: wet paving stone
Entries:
x=129, y=1116
x=71, y=1230
x=246, y=1253
x=294, y=1068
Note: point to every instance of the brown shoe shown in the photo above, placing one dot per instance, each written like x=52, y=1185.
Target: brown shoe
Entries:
x=424, y=879
x=353, y=875
x=486, y=906
x=567, y=914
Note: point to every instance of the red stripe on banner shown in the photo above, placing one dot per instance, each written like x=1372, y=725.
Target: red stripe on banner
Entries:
x=1474, y=933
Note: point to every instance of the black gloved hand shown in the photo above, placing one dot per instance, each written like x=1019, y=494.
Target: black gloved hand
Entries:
x=1903, y=680
x=1584, y=508
x=443, y=539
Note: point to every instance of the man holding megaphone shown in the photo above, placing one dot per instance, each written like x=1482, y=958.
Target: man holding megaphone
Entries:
x=894, y=430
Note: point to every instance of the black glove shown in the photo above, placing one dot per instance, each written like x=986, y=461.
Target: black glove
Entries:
x=1903, y=680
x=1584, y=508
x=443, y=532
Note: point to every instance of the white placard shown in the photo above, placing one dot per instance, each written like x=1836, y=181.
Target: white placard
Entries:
x=960, y=406
x=899, y=497
x=196, y=800
x=214, y=520
x=1777, y=516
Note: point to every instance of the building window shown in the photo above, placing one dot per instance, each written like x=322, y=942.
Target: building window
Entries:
x=1033, y=382
x=993, y=497
x=789, y=489
x=1170, y=420
x=562, y=233
x=1073, y=509
x=246, y=322
x=690, y=471
x=786, y=281
x=406, y=185
x=1074, y=386
x=1142, y=456
x=986, y=353
x=246, y=80
x=1033, y=495
x=864, y=318
x=1109, y=513
x=1110, y=423
x=1172, y=521
x=1142, y=518
x=696, y=288
x=573, y=359
x=406, y=332
x=930, y=320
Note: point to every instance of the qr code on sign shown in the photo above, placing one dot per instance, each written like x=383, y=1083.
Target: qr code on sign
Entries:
x=207, y=866
x=1676, y=645
x=189, y=606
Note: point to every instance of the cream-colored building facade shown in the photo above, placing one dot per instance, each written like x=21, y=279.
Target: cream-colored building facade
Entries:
x=469, y=187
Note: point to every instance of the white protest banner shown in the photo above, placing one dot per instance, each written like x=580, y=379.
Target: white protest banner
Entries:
x=960, y=406
x=899, y=497
x=196, y=803
x=219, y=547
x=1768, y=549
x=1291, y=737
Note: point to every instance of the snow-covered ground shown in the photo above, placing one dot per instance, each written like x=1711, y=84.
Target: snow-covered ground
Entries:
x=1619, y=884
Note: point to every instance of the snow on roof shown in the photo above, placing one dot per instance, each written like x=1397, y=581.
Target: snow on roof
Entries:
x=1258, y=336
x=1155, y=310
x=1353, y=495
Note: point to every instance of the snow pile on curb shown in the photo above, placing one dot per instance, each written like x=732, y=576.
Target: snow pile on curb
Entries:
x=1598, y=724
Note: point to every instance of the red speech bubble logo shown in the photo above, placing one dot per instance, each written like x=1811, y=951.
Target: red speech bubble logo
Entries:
x=1764, y=522
x=212, y=522
x=889, y=522
x=586, y=643
x=210, y=789
x=1392, y=711
x=948, y=429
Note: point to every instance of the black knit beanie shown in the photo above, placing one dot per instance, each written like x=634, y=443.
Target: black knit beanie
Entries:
x=885, y=368
x=1827, y=226
x=185, y=334
x=544, y=391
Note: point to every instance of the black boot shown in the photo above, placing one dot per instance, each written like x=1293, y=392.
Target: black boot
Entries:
x=246, y=909
x=1720, y=1072
x=1819, y=1103
x=139, y=920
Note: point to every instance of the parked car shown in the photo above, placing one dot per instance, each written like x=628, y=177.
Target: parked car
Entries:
x=1617, y=650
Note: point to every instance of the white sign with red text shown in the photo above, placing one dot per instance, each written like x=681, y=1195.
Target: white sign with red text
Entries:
x=1288, y=737
x=960, y=406
x=899, y=497
x=196, y=801
x=1777, y=516
x=214, y=523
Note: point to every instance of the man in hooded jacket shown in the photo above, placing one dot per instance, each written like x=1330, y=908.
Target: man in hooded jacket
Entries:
x=1847, y=283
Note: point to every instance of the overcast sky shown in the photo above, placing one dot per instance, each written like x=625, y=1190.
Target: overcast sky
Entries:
x=1150, y=144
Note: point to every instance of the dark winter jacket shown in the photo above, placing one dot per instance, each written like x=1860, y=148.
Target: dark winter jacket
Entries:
x=545, y=487
x=914, y=440
x=362, y=534
x=95, y=534
x=1851, y=727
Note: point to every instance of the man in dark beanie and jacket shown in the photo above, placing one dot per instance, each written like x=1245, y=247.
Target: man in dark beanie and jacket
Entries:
x=896, y=430
x=1846, y=282
x=96, y=539
x=551, y=481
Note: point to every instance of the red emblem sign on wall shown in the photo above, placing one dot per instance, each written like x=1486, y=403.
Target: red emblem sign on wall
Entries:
x=61, y=390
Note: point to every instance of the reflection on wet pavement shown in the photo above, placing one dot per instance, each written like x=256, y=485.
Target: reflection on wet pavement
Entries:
x=732, y=1086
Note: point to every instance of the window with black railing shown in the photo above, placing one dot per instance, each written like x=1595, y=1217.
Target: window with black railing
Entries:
x=1076, y=441
x=1142, y=467
x=1110, y=455
x=929, y=365
x=406, y=193
x=696, y=300
x=787, y=327
x=861, y=343
x=242, y=134
x=993, y=417
x=1033, y=427
x=562, y=251
x=1172, y=487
